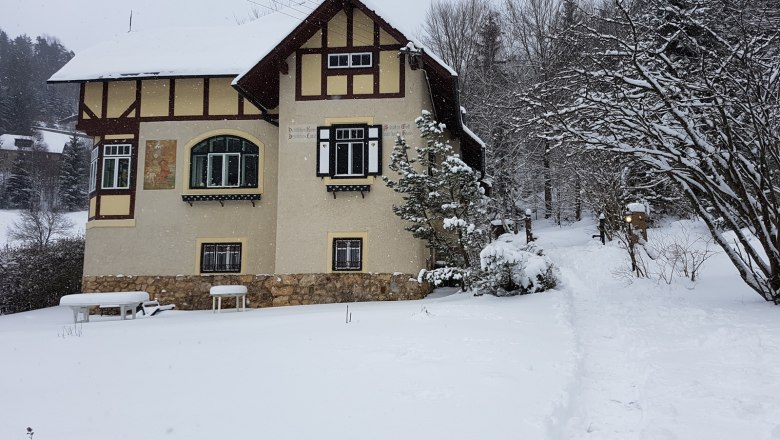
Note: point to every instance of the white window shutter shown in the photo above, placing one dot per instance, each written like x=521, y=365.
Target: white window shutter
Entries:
x=323, y=151
x=374, y=150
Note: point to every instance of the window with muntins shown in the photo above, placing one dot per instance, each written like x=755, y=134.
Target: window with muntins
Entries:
x=350, y=146
x=347, y=254
x=349, y=151
x=93, y=164
x=116, y=166
x=350, y=60
x=224, y=162
x=220, y=257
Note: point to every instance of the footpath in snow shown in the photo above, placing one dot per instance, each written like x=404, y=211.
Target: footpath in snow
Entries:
x=662, y=362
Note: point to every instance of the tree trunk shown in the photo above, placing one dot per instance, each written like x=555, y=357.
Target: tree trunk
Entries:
x=548, y=204
x=577, y=197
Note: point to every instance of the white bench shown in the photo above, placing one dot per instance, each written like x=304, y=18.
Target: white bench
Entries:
x=218, y=292
x=81, y=302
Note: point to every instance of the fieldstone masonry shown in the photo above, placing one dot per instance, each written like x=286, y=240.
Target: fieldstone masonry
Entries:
x=191, y=292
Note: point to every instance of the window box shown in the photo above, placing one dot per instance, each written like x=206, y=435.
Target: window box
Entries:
x=221, y=198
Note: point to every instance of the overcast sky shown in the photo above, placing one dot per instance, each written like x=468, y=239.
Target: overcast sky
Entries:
x=80, y=23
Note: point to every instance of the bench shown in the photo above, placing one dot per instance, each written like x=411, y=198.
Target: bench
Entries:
x=218, y=292
x=80, y=303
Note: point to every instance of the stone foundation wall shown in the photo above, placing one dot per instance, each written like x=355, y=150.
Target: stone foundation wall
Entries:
x=191, y=292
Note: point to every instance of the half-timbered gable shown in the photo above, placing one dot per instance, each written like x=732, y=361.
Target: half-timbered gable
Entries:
x=258, y=149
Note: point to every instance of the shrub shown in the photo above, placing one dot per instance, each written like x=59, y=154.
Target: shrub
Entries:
x=510, y=267
x=34, y=277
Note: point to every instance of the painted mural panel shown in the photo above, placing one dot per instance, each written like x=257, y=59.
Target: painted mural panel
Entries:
x=160, y=165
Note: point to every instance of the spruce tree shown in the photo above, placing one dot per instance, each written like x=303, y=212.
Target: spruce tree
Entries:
x=19, y=186
x=72, y=179
x=443, y=201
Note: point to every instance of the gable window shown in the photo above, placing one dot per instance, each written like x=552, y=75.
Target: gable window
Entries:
x=349, y=151
x=224, y=162
x=347, y=60
x=116, y=166
x=347, y=254
x=93, y=163
x=220, y=257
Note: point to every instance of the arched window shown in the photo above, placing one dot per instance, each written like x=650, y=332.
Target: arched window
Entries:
x=224, y=162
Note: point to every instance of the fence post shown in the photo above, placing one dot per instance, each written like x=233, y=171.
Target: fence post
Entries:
x=529, y=236
x=602, y=228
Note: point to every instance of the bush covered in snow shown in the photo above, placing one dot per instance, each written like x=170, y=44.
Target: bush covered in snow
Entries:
x=444, y=276
x=511, y=267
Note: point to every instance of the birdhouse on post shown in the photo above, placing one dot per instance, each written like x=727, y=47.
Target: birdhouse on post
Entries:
x=636, y=217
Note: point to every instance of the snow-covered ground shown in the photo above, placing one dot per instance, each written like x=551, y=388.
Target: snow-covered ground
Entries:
x=8, y=217
x=596, y=359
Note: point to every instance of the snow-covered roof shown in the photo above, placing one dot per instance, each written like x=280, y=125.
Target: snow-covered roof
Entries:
x=55, y=139
x=636, y=207
x=196, y=51
x=230, y=51
x=8, y=141
x=193, y=51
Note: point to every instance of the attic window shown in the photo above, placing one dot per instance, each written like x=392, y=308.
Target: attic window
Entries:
x=349, y=60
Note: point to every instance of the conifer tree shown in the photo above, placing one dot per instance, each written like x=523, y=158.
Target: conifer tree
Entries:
x=19, y=186
x=72, y=187
x=443, y=201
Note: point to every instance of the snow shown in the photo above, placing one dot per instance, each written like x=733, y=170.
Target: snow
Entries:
x=103, y=298
x=598, y=358
x=56, y=140
x=525, y=264
x=8, y=141
x=196, y=51
x=450, y=367
x=8, y=217
x=636, y=207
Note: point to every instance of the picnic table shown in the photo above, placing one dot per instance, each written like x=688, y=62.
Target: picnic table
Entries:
x=218, y=292
x=80, y=303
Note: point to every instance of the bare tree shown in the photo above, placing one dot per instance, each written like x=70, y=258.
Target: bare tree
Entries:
x=691, y=89
x=451, y=30
x=39, y=227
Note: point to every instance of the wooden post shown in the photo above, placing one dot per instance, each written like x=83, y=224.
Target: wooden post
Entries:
x=529, y=236
x=602, y=227
x=631, y=242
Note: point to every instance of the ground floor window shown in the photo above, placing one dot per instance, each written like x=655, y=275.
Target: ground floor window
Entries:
x=220, y=257
x=347, y=254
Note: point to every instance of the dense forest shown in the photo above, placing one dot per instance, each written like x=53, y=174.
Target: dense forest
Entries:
x=28, y=178
x=589, y=105
x=25, y=98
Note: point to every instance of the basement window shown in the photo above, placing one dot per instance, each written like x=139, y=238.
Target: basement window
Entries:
x=220, y=258
x=348, y=254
